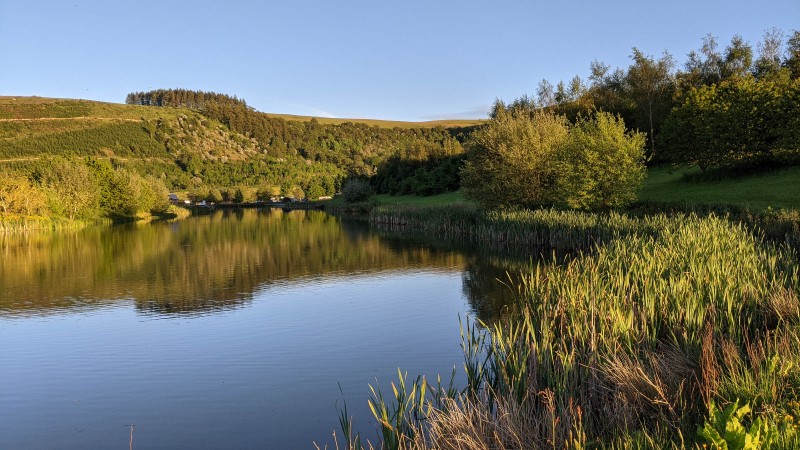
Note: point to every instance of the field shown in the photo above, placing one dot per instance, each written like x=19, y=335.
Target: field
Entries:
x=776, y=189
x=53, y=108
x=779, y=189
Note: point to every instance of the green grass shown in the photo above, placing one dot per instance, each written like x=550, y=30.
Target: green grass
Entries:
x=54, y=108
x=448, y=198
x=777, y=189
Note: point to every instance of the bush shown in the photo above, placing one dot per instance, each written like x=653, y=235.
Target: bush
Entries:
x=524, y=160
x=214, y=196
x=600, y=165
x=238, y=195
x=71, y=187
x=356, y=190
x=19, y=196
x=510, y=161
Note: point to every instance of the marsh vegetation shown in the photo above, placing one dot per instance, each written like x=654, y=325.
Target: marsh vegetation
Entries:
x=638, y=340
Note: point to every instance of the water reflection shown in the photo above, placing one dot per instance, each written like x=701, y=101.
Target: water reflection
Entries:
x=217, y=262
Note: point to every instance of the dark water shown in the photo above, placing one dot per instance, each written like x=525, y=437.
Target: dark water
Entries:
x=233, y=330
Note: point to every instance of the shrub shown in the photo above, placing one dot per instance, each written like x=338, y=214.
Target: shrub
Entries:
x=356, y=190
x=19, y=196
x=238, y=195
x=510, y=160
x=523, y=160
x=600, y=164
x=214, y=196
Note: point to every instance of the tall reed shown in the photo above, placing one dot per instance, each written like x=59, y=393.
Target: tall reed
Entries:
x=12, y=223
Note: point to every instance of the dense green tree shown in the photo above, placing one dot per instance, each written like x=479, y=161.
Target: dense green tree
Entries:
x=356, y=190
x=523, y=160
x=792, y=60
x=71, y=188
x=600, y=165
x=768, y=62
x=214, y=196
x=511, y=159
x=399, y=176
x=724, y=106
x=651, y=84
x=19, y=196
x=313, y=156
x=238, y=195
x=738, y=59
x=738, y=122
x=703, y=67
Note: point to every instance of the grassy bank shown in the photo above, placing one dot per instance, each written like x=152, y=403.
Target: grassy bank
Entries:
x=537, y=229
x=338, y=205
x=774, y=189
x=545, y=229
x=672, y=332
x=663, y=189
x=13, y=223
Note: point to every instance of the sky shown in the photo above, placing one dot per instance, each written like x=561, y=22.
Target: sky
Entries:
x=395, y=60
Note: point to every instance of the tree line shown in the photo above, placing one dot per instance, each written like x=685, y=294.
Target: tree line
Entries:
x=742, y=101
x=387, y=156
x=80, y=188
x=181, y=98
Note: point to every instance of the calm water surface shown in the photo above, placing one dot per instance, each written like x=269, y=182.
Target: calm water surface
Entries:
x=233, y=330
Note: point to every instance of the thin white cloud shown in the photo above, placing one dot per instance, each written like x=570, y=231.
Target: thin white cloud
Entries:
x=307, y=110
x=316, y=112
x=477, y=112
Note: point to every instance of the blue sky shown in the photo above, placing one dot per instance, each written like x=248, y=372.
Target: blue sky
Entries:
x=409, y=60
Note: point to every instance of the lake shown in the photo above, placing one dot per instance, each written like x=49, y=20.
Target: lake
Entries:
x=231, y=330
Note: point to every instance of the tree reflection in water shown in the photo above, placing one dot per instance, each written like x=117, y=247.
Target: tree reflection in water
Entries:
x=217, y=262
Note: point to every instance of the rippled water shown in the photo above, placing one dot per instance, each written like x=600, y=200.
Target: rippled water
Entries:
x=233, y=330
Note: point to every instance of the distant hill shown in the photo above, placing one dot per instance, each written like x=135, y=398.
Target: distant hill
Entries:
x=43, y=107
x=220, y=146
x=34, y=126
x=449, y=123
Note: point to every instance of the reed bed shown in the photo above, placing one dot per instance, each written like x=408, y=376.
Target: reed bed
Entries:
x=12, y=223
x=545, y=228
x=672, y=332
x=569, y=230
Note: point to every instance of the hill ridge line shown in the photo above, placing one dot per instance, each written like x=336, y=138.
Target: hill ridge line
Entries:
x=32, y=119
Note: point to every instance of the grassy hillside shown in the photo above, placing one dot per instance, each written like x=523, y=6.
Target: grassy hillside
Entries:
x=40, y=107
x=776, y=189
x=226, y=146
x=384, y=123
x=56, y=108
x=32, y=126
